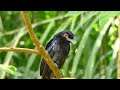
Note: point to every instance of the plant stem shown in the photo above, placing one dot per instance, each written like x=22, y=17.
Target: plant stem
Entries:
x=26, y=50
x=118, y=61
x=41, y=49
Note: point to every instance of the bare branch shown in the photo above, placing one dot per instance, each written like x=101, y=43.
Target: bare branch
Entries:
x=118, y=61
x=26, y=50
x=41, y=49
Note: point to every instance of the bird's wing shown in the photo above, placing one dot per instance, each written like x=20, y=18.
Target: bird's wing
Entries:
x=60, y=61
x=51, y=48
x=62, y=55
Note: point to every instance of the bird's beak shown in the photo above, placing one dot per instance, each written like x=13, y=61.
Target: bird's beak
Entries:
x=71, y=40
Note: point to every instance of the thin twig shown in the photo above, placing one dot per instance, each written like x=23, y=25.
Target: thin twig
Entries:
x=1, y=25
x=26, y=50
x=118, y=61
x=36, y=24
x=10, y=32
x=41, y=49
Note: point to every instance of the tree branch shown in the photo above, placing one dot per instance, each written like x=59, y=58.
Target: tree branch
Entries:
x=26, y=50
x=118, y=61
x=41, y=49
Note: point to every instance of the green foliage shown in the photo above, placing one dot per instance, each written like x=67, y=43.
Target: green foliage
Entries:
x=106, y=15
x=93, y=53
x=73, y=13
x=10, y=69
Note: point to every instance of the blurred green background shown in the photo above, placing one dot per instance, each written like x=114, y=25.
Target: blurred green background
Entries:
x=93, y=54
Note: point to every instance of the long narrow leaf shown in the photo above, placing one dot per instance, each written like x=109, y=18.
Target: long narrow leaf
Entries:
x=91, y=60
x=81, y=47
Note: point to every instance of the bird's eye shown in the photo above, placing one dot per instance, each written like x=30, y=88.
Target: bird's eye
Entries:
x=65, y=35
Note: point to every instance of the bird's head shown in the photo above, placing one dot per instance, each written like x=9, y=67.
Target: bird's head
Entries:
x=67, y=35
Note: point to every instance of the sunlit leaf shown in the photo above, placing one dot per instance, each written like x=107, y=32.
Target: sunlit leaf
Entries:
x=72, y=13
x=104, y=16
x=10, y=69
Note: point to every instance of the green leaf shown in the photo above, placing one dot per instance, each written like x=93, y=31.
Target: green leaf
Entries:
x=81, y=47
x=104, y=16
x=95, y=50
x=88, y=16
x=72, y=13
x=10, y=69
x=65, y=24
x=84, y=19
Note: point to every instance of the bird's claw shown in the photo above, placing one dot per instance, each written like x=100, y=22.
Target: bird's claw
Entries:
x=56, y=65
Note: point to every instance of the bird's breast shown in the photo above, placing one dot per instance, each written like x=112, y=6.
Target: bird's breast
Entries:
x=64, y=48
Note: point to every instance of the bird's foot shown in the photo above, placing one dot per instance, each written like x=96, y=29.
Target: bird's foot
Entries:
x=56, y=65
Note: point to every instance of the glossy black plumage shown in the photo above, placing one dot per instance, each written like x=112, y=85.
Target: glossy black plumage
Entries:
x=58, y=49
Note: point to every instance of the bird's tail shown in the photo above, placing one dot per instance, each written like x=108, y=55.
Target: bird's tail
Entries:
x=45, y=77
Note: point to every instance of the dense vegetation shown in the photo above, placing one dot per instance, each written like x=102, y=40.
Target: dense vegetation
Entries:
x=93, y=53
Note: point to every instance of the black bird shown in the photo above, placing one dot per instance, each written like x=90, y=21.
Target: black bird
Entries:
x=58, y=49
